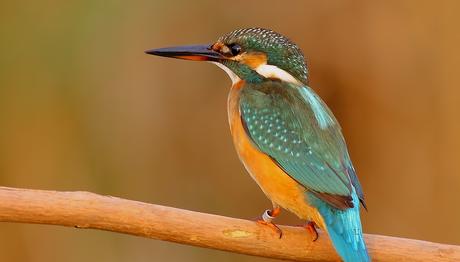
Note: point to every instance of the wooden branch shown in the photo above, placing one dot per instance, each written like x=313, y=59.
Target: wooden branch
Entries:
x=88, y=210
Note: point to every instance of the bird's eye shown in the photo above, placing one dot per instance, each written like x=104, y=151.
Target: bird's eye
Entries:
x=235, y=49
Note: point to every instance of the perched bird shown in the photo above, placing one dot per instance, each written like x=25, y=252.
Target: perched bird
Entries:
x=285, y=135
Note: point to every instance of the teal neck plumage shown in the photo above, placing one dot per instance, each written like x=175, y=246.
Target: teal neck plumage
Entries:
x=243, y=71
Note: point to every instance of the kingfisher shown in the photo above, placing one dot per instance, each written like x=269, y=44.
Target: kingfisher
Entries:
x=285, y=135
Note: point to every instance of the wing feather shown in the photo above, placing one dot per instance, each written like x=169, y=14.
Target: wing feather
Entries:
x=296, y=129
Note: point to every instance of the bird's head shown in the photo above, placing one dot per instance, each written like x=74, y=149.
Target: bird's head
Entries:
x=250, y=54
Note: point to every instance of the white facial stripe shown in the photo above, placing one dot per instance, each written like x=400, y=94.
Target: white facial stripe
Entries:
x=268, y=71
x=235, y=79
x=271, y=71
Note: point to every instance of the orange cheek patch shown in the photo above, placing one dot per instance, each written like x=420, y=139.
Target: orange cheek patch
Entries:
x=254, y=60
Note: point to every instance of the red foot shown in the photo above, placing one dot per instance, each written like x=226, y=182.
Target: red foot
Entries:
x=311, y=227
x=267, y=217
x=272, y=226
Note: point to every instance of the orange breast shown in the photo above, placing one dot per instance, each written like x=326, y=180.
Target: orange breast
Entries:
x=274, y=182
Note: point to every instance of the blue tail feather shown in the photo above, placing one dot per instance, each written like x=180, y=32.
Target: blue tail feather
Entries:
x=344, y=229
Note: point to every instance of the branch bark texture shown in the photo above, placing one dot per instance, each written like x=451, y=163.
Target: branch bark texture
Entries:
x=88, y=210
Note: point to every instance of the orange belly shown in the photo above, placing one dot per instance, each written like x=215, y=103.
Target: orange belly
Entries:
x=279, y=187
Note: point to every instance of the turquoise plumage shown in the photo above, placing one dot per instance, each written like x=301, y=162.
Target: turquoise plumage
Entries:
x=344, y=228
x=292, y=125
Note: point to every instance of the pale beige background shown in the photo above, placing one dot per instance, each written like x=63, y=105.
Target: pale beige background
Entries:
x=83, y=108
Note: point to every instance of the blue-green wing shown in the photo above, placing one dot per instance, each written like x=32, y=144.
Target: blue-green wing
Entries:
x=295, y=128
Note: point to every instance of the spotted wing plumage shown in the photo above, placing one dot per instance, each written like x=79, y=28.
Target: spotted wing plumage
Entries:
x=295, y=128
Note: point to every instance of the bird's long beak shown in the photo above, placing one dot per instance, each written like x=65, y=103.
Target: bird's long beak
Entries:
x=191, y=52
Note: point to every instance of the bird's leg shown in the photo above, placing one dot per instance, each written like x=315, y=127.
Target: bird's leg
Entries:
x=268, y=216
x=311, y=227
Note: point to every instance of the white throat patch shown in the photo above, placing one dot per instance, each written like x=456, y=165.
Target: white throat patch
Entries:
x=271, y=71
x=267, y=71
x=235, y=79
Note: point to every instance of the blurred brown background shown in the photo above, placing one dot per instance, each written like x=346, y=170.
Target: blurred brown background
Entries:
x=83, y=108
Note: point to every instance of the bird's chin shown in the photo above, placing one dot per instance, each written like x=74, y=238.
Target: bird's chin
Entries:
x=235, y=78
